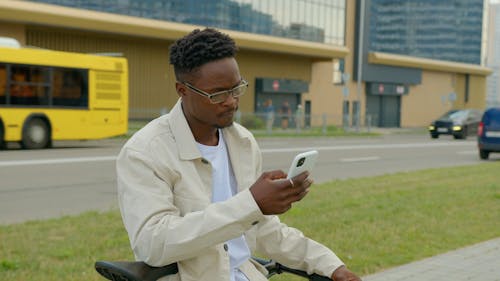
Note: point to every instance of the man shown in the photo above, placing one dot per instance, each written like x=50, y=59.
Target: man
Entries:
x=269, y=110
x=285, y=114
x=189, y=182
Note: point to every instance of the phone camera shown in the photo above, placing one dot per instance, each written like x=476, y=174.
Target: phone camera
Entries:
x=301, y=161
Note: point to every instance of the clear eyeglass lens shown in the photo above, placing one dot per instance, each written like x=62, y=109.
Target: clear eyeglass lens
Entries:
x=240, y=90
x=236, y=92
x=221, y=97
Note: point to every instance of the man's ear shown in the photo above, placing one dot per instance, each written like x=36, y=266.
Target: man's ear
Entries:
x=180, y=89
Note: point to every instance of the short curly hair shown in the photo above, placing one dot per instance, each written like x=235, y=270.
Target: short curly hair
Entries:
x=198, y=48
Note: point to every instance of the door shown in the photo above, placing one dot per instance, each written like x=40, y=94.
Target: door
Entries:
x=384, y=111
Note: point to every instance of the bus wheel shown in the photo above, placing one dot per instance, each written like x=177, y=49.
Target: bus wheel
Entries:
x=35, y=134
x=2, y=135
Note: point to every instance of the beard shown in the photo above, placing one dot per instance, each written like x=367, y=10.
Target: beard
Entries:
x=222, y=125
x=227, y=120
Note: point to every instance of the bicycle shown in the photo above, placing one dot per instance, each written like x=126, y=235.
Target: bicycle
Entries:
x=140, y=271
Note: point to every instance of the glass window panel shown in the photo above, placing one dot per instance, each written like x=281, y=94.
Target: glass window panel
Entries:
x=302, y=10
x=28, y=85
x=310, y=20
x=340, y=32
x=3, y=84
x=69, y=87
x=445, y=30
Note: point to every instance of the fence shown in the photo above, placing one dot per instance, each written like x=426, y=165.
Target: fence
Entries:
x=281, y=123
x=285, y=124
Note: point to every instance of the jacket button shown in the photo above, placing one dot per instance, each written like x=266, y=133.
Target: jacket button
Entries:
x=204, y=161
x=225, y=247
x=255, y=222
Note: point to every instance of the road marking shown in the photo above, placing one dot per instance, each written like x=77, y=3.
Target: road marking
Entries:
x=367, y=146
x=56, y=161
x=467, y=152
x=360, y=159
x=265, y=150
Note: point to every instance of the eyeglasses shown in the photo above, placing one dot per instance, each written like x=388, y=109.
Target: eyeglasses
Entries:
x=219, y=97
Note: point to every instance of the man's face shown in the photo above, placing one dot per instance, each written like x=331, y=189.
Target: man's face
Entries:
x=212, y=77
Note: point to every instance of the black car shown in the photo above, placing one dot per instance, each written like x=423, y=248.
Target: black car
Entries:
x=458, y=123
x=488, y=135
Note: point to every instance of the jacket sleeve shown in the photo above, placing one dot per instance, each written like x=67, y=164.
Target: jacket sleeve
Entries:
x=290, y=247
x=158, y=234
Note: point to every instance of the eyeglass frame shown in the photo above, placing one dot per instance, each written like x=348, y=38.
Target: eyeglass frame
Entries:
x=243, y=83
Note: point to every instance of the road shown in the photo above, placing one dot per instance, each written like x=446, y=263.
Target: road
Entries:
x=75, y=177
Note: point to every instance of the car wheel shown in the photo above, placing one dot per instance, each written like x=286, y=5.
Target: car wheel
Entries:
x=434, y=136
x=35, y=134
x=484, y=154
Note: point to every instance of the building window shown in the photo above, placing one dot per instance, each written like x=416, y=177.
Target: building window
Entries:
x=435, y=29
x=310, y=20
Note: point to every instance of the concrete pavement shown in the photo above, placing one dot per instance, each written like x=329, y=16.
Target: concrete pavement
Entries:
x=479, y=262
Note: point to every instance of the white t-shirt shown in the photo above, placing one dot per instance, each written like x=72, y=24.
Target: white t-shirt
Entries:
x=224, y=187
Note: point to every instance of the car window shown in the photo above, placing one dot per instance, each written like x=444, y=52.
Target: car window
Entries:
x=474, y=115
x=458, y=115
x=447, y=114
x=492, y=118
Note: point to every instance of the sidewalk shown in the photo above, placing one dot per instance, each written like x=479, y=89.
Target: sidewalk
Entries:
x=479, y=262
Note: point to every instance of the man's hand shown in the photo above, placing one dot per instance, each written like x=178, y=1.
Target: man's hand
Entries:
x=275, y=194
x=344, y=274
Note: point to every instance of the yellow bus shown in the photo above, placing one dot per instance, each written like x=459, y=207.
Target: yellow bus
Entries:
x=48, y=95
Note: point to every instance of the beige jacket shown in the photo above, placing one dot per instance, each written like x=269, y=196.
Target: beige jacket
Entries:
x=164, y=190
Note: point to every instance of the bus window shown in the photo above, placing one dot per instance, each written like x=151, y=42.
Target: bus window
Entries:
x=69, y=87
x=3, y=84
x=29, y=85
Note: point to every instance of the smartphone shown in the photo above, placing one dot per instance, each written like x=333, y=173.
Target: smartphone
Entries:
x=302, y=162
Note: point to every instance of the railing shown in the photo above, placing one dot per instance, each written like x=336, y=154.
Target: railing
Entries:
x=279, y=124
x=304, y=123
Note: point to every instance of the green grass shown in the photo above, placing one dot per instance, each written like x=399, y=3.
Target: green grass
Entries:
x=371, y=223
x=329, y=131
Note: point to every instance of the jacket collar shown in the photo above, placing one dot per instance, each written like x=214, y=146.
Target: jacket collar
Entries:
x=186, y=144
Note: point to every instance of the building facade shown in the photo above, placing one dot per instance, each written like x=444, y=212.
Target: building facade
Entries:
x=421, y=55
x=307, y=52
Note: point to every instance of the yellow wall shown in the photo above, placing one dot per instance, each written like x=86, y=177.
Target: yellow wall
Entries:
x=349, y=60
x=259, y=65
x=13, y=30
x=477, y=92
x=430, y=99
x=326, y=98
x=427, y=100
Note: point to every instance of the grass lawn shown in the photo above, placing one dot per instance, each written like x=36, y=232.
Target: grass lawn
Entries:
x=330, y=131
x=371, y=223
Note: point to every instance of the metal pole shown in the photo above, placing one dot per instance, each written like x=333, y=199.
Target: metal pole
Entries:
x=360, y=59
